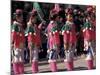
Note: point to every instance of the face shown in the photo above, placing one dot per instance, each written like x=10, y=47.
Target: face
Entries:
x=61, y=19
x=89, y=18
x=57, y=18
x=70, y=19
x=33, y=19
x=19, y=18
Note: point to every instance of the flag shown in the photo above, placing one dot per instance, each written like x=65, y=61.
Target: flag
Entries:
x=39, y=10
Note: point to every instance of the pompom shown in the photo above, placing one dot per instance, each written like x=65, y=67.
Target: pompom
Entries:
x=14, y=22
x=90, y=28
x=50, y=33
x=84, y=30
x=30, y=33
x=56, y=31
x=67, y=31
x=13, y=30
x=63, y=32
x=34, y=33
x=20, y=34
x=53, y=32
x=26, y=34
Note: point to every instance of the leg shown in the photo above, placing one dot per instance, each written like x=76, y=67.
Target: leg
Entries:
x=69, y=58
x=89, y=58
x=15, y=68
x=35, y=60
x=21, y=63
x=16, y=62
x=93, y=45
x=30, y=46
x=52, y=60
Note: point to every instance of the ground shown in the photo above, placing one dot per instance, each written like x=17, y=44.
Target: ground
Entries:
x=79, y=64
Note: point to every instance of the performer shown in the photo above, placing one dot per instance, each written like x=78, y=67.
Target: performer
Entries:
x=92, y=19
x=69, y=39
x=53, y=40
x=88, y=34
x=34, y=40
x=18, y=40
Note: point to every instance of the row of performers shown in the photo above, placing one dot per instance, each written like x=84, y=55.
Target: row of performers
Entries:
x=34, y=42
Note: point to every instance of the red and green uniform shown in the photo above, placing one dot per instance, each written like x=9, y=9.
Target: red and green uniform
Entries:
x=53, y=38
x=37, y=36
x=56, y=37
x=18, y=40
x=66, y=34
x=34, y=35
x=17, y=35
x=88, y=34
x=69, y=38
x=73, y=35
x=31, y=39
x=53, y=42
x=50, y=34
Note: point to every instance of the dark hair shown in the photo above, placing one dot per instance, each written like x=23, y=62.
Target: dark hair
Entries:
x=53, y=17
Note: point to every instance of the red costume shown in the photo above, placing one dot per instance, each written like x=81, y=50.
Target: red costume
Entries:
x=18, y=41
x=69, y=38
x=34, y=40
x=88, y=38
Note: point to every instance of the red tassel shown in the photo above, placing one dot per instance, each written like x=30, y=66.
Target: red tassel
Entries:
x=22, y=37
x=16, y=39
x=72, y=37
x=30, y=37
x=66, y=37
x=93, y=33
x=57, y=38
x=14, y=35
x=37, y=40
x=88, y=35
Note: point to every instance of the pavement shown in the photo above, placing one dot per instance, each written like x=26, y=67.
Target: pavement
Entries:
x=79, y=64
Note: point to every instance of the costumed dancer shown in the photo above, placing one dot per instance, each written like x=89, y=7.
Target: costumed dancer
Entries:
x=53, y=40
x=92, y=19
x=88, y=37
x=69, y=39
x=18, y=40
x=34, y=40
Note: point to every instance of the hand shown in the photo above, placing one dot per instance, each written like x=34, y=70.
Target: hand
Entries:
x=43, y=22
x=29, y=23
x=50, y=33
x=46, y=34
x=63, y=32
x=59, y=32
